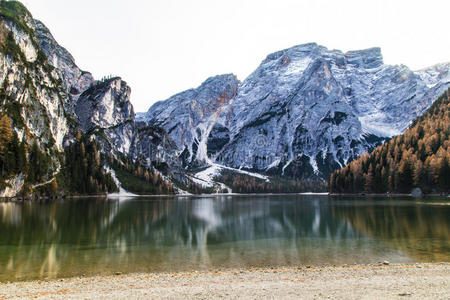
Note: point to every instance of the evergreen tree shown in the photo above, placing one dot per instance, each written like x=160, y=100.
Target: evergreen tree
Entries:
x=5, y=139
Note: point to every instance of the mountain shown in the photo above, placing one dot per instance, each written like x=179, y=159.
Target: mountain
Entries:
x=418, y=158
x=31, y=97
x=304, y=112
x=62, y=131
x=190, y=117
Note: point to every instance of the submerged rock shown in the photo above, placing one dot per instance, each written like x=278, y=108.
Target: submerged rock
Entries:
x=417, y=192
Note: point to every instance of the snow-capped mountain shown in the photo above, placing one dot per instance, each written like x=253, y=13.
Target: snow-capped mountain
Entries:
x=305, y=110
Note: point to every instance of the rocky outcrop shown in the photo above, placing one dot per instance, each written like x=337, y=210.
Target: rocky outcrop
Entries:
x=155, y=148
x=30, y=91
x=189, y=117
x=105, y=110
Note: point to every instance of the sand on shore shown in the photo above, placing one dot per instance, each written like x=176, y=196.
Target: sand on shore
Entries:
x=400, y=281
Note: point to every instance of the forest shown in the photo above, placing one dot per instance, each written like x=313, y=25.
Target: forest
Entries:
x=418, y=158
x=21, y=157
x=83, y=171
x=241, y=183
x=136, y=178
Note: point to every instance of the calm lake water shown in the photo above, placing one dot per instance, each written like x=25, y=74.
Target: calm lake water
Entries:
x=99, y=236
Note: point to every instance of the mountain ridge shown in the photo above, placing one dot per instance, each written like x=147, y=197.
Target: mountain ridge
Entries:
x=303, y=113
x=351, y=92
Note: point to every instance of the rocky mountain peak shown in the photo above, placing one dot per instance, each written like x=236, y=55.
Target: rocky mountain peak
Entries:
x=368, y=59
x=105, y=104
x=190, y=116
x=304, y=111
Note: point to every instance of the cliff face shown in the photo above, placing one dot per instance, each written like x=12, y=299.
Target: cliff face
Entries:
x=74, y=80
x=190, y=117
x=305, y=111
x=31, y=95
x=48, y=99
x=105, y=110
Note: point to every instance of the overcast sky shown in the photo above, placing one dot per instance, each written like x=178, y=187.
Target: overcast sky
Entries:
x=162, y=47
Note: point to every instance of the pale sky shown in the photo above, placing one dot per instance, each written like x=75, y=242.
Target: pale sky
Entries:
x=162, y=47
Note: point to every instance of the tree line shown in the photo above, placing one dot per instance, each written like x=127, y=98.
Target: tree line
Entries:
x=137, y=178
x=419, y=158
x=241, y=183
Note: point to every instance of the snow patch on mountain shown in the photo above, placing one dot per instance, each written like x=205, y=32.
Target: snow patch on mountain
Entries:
x=371, y=125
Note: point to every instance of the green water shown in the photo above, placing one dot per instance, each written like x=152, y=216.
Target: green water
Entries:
x=99, y=236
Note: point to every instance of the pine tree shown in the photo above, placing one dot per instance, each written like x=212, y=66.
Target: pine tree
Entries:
x=22, y=157
x=5, y=139
x=12, y=155
x=54, y=188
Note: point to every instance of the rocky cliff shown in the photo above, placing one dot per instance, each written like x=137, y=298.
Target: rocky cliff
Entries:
x=190, y=117
x=49, y=101
x=305, y=111
x=32, y=98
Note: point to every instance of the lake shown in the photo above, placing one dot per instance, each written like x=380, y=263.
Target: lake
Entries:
x=92, y=236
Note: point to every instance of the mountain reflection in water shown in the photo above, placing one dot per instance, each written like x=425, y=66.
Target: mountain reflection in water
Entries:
x=99, y=236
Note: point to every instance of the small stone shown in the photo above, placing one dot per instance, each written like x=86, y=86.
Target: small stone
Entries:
x=386, y=263
x=118, y=273
x=417, y=192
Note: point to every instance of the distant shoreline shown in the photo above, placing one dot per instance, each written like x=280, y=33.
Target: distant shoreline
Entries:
x=417, y=281
x=19, y=199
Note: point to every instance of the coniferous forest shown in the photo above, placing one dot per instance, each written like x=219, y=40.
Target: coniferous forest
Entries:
x=83, y=172
x=419, y=158
x=241, y=183
x=21, y=158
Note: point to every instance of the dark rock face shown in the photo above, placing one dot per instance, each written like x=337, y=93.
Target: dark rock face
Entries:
x=217, y=139
x=153, y=147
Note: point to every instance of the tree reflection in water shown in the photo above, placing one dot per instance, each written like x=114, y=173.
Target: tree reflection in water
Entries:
x=97, y=236
x=419, y=228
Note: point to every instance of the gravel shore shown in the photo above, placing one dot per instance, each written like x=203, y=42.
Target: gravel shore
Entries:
x=399, y=281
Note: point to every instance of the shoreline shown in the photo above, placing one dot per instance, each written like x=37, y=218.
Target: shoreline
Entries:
x=118, y=197
x=396, y=281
